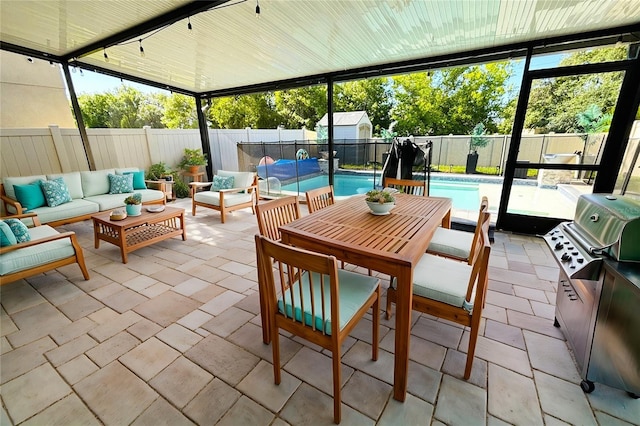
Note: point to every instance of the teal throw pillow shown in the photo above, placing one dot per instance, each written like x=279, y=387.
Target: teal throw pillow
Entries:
x=19, y=230
x=55, y=191
x=138, y=179
x=221, y=182
x=120, y=184
x=6, y=235
x=30, y=196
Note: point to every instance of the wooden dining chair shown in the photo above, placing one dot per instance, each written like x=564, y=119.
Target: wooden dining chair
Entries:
x=408, y=186
x=316, y=301
x=319, y=198
x=275, y=213
x=452, y=290
x=457, y=244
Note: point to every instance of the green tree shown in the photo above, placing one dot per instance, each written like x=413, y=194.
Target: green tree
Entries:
x=180, y=112
x=301, y=107
x=556, y=103
x=372, y=95
x=237, y=112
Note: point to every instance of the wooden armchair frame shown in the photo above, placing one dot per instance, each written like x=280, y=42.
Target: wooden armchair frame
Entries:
x=78, y=256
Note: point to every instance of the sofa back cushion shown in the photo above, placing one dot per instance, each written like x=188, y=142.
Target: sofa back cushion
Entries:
x=240, y=179
x=96, y=182
x=73, y=181
x=30, y=196
x=21, y=180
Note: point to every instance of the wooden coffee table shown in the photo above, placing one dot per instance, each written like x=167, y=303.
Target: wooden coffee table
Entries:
x=136, y=232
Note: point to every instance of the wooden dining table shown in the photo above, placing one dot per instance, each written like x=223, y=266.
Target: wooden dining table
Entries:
x=392, y=244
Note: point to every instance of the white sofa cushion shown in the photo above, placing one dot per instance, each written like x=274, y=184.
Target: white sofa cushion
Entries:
x=230, y=199
x=240, y=179
x=25, y=258
x=112, y=201
x=73, y=182
x=96, y=182
x=65, y=211
x=19, y=180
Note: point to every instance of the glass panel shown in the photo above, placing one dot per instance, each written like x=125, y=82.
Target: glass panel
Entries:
x=628, y=182
x=583, y=56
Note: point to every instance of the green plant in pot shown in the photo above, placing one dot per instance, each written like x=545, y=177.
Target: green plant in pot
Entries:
x=380, y=202
x=192, y=160
x=133, y=204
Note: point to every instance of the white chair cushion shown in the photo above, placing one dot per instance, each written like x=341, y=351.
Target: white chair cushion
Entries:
x=95, y=182
x=451, y=242
x=40, y=254
x=442, y=279
x=230, y=199
x=240, y=179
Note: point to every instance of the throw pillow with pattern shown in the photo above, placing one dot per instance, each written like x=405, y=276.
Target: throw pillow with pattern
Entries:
x=19, y=229
x=222, y=182
x=55, y=191
x=120, y=184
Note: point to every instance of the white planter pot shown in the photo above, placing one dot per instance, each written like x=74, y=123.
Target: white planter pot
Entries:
x=380, y=209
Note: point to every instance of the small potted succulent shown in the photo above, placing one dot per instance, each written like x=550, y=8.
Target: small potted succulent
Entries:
x=192, y=160
x=133, y=204
x=380, y=202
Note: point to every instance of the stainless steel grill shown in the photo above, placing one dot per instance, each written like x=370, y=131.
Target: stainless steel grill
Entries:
x=599, y=254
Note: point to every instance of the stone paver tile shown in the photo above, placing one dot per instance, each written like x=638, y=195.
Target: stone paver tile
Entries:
x=543, y=310
x=236, y=268
x=250, y=303
x=551, y=356
x=103, y=315
x=173, y=256
x=5, y=346
x=222, y=302
x=512, y=397
x=496, y=261
x=77, y=369
x=563, y=400
x=516, y=265
x=114, y=325
x=115, y=394
x=493, y=351
x=222, y=359
x=515, y=277
x=25, y=358
x=69, y=332
x=69, y=410
x=112, y=348
x=179, y=337
x=504, y=333
x=521, y=258
x=412, y=411
x=421, y=351
x=246, y=412
x=228, y=321
x=190, y=286
x=149, y=358
x=171, y=276
x=144, y=329
x=461, y=403
x=139, y=283
x=530, y=293
x=7, y=326
x=30, y=393
x=533, y=323
x=166, y=308
x=316, y=368
x=259, y=385
x=606, y=419
x=359, y=358
x=70, y=350
x=546, y=272
x=208, y=294
x=552, y=421
x=423, y=382
x=438, y=332
x=155, y=290
x=161, y=413
x=237, y=283
x=95, y=282
x=298, y=410
x=454, y=365
x=494, y=421
x=249, y=337
x=194, y=319
x=366, y=394
x=124, y=300
x=208, y=273
x=500, y=287
x=207, y=252
x=146, y=266
x=180, y=381
x=615, y=402
x=509, y=302
x=495, y=313
x=116, y=271
x=202, y=411
x=106, y=291
x=58, y=292
x=19, y=296
x=36, y=322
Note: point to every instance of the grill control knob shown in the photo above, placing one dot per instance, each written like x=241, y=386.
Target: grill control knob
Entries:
x=565, y=257
x=575, y=253
x=580, y=260
x=558, y=246
x=554, y=238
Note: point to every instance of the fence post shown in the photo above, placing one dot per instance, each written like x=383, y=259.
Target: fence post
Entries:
x=61, y=152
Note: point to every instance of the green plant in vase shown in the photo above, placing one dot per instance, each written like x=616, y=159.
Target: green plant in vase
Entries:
x=192, y=160
x=133, y=204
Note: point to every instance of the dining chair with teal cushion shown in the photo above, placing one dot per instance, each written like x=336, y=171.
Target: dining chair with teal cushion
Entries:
x=310, y=297
x=457, y=244
x=452, y=290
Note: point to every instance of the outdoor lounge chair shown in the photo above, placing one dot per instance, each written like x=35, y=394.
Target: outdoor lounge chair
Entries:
x=47, y=249
x=237, y=190
x=310, y=297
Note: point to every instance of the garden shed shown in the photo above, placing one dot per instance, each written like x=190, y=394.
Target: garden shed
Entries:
x=347, y=125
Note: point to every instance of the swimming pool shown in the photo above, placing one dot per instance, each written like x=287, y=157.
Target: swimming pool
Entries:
x=465, y=195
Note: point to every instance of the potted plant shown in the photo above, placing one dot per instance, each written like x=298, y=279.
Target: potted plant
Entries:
x=477, y=141
x=133, y=204
x=380, y=202
x=192, y=160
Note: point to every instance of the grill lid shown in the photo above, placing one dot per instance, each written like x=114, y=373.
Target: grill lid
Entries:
x=611, y=224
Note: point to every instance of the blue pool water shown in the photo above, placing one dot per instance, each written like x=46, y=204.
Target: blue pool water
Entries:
x=465, y=195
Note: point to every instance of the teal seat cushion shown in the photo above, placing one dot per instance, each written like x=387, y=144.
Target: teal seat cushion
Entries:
x=230, y=199
x=442, y=279
x=55, y=191
x=451, y=242
x=30, y=196
x=6, y=235
x=19, y=229
x=138, y=179
x=120, y=184
x=36, y=255
x=354, y=290
x=222, y=182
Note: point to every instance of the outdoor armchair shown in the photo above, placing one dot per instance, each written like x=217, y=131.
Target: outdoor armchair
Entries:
x=229, y=191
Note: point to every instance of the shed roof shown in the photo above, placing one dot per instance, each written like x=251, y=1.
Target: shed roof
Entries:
x=232, y=50
x=350, y=118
